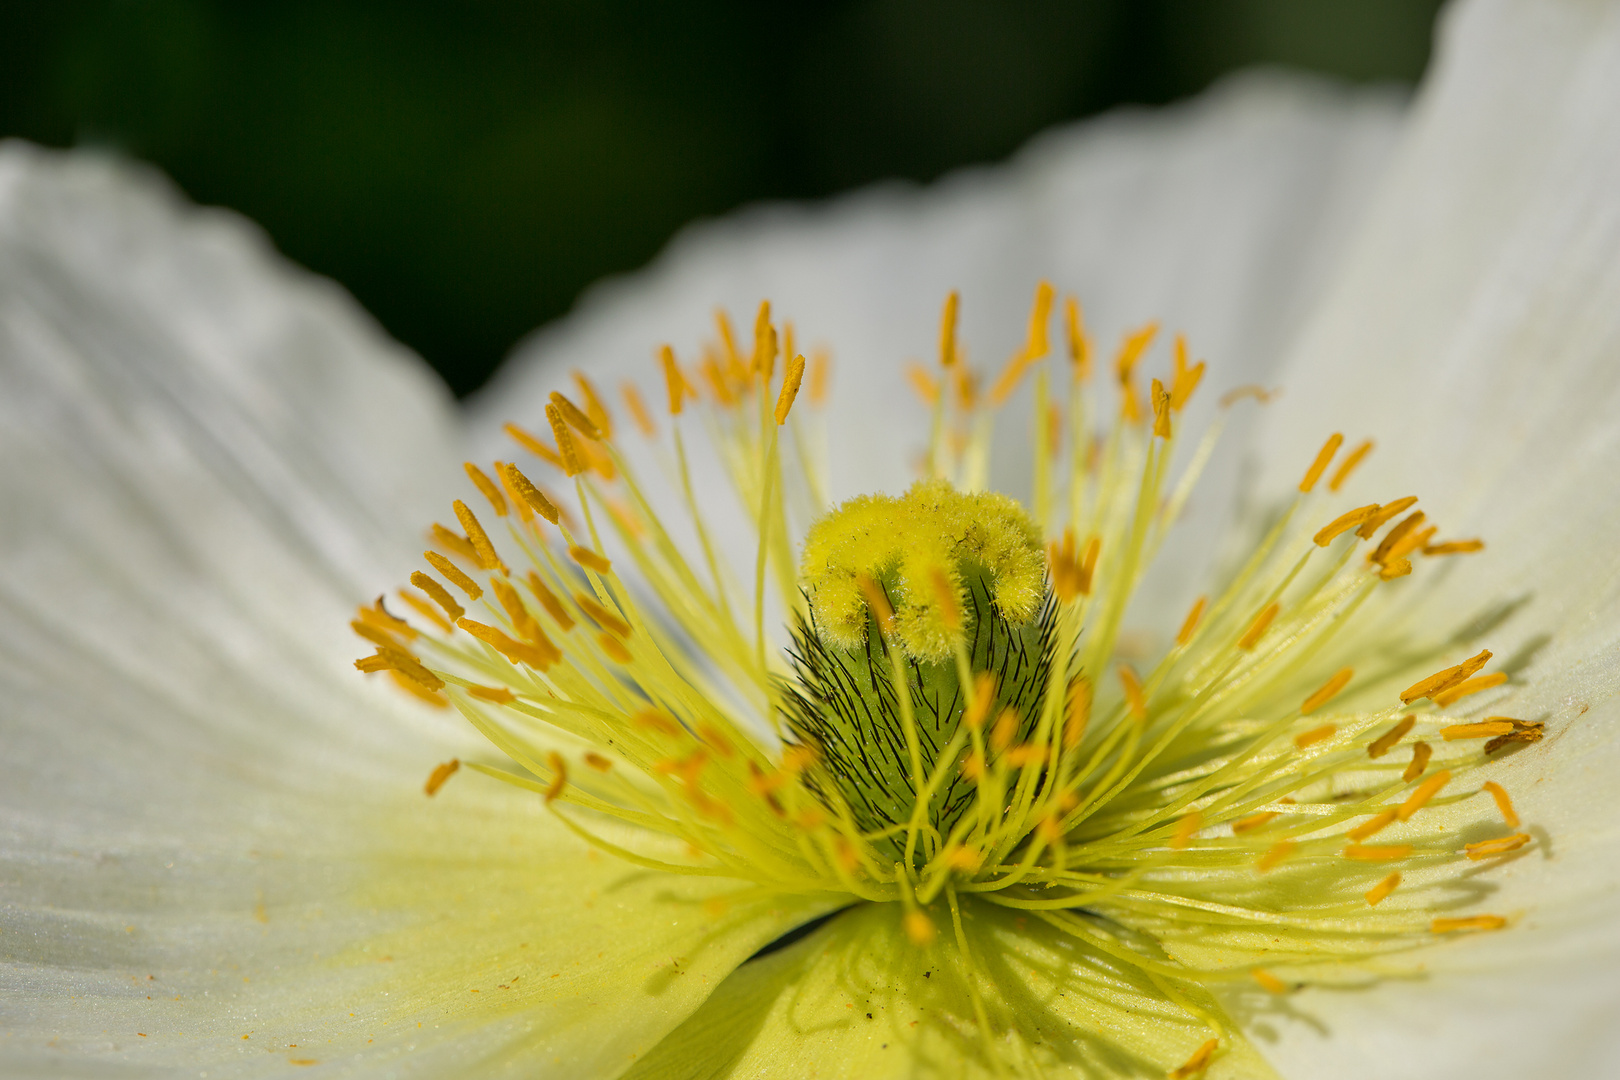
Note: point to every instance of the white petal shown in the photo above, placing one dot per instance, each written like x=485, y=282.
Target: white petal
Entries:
x=1221, y=217
x=210, y=825
x=1475, y=333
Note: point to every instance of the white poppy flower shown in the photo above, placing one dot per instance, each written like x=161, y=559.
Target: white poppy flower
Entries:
x=217, y=854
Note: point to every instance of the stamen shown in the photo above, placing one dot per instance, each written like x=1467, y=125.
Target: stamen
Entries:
x=1079, y=344
x=1319, y=466
x=1257, y=629
x=598, y=762
x=877, y=602
x=1269, y=982
x=531, y=495
x=1386, y=742
x=568, y=453
x=595, y=411
x=1385, y=513
x=589, y=559
x=1372, y=825
x=1409, y=543
x=947, y=329
x=1383, y=888
x=1189, y=824
x=820, y=377
x=1425, y=791
x=1190, y=624
x=674, y=381
x=1197, y=1063
x=601, y=616
x=540, y=655
x=1161, y=410
x=497, y=695
x=1377, y=853
x=1130, y=351
x=1133, y=692
x=1078, y=713
x=487, y=558
x=638, y=410
x=487, y=487
x=451, y=571
x=919, y=928
x=1503, y=803
x=1421, y=751
x=790, y=389
x=763, y=362
x=1444, y=680
x=1349, y=465
x=534, y=446
x=1472, y=922
x=1275, y=854
x=1454, y=547
x=1254, y=821
x=559, y=776
x=1317, y=734
x=614, y=648
x=454, y=543
x=439, y=775
x=1446, y=698
x=1486, y=849
x=439, y=594
x=1483, y=729
x=550, y=602
x=1344, y=523
x=427, y=610
x=1329, y=690
x=924, y=384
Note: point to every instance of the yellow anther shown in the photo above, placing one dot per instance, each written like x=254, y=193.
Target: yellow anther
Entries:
x=487, y=558
x=1421, y=752
x=963, y=858
x=1317, y=734
x=1189, y=824
x=790, y=389
x=1384, y=513
x=453, y=573
x=1255, y=821
x=716, y=378
x=947, y=329
x=966, y=385
x=531, y=496
x=1250, y=390
x=575, y=417
x=1130, y=352
x=1386, y=742
x=728, y=340
x=559, y=776
x=1385, y=551
x=1444, y=680
x=498, y=695
x=601, y=616
x=638, y=409
x=1036, y=344
x=540, y=655
x=763, y=362
x=589, y=559
x=923, y=384
x=1026, y=754
x=427, y=610
x=509, y=599
x=1257, y=629
x=1328, y=691
x=1269, y=982
x=1504, y=804
x=1077, y=713
x=598, y=762
x=1409, y=543
x=1451, y=695
x=1472, y=922
x=1395, y=568
x=920, y=930
x=1196, y=1064
x=972, y=767
x=1004, y=731
x=379, y=617
x=534, y=446
x=454, y=543
x=1190, y=624
x=945, y=599
x=438, y=594
x=1344, y=523
x=658, y=723
x=1381, y=890
x=441, y=772
x=486, y=487
x=1484, y=729
x=1377, y=852
x=1186, y=379
x=1135, y=703
x=1373, y=825
x=1161, y=410
x=1454, y=547
x=549, y=601
x=525, y=512
x=1485, y=849
x=594, y=410
x=1319, y=466
x=820, y=377
x=1079, y=343
x=674, y=380
x=1275, y=854
x=614, y=648
x=877, y=603
x=1425, y=791
x=567, y=451
x=1349, y=464
x=984, y=693
x=395, y=659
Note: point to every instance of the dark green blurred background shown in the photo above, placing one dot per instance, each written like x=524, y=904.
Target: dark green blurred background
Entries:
x=467, y=168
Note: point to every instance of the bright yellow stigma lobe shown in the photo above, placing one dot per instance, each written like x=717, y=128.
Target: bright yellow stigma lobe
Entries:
x=906, y=543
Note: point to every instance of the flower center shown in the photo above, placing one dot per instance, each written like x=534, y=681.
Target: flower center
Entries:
x=961, y=713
